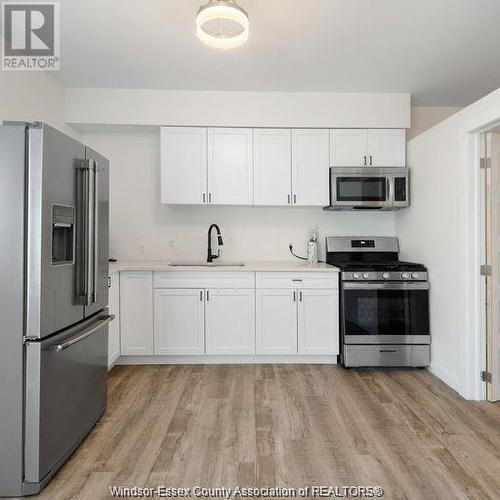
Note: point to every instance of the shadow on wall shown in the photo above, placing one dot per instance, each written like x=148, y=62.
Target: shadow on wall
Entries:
x=425, y=117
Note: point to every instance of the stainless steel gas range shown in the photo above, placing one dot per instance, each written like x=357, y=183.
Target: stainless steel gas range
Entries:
x=384, y=303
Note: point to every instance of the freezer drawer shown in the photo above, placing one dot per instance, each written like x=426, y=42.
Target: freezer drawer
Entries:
x=388, y=355
x=66, y=391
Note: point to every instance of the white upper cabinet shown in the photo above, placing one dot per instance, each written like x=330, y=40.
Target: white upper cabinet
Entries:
x=387, y=147
x=348, y=147
x=367, y=147
x=230, y=321
x=230, y=166
x=272, y=166
x=183, y=165
x=179, y=321
x=318, y=322
x=310, y=154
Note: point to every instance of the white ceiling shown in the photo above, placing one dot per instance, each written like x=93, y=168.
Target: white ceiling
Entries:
x=445, y=52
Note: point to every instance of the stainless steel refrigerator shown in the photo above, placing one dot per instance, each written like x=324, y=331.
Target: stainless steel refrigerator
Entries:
x=53, y=298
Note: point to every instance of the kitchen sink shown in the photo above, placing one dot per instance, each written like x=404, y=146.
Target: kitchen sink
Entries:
x=207, y=264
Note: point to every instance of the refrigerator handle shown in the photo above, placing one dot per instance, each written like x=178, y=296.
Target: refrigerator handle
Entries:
x=104, y=321
x=86, y=210
x=96, y=233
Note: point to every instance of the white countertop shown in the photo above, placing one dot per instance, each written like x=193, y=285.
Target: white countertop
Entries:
x=164, y=265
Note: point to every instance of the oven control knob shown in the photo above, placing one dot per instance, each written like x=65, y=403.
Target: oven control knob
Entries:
x=405, y=276
x=366, y=276
x=415, y=276
x=386, y=276
x=356, y=276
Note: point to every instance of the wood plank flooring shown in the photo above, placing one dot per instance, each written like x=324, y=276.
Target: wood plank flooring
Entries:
x=286, y=425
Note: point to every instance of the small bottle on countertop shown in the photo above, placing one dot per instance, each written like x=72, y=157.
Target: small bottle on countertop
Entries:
x=312, y=246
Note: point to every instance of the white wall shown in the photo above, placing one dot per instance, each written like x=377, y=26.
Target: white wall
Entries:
x=425, y=117
x=441, y=229
x=233, y=109
x=33, y=96
x=138, y=218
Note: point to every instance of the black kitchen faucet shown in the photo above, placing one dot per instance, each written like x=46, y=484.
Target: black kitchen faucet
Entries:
x=210, y=256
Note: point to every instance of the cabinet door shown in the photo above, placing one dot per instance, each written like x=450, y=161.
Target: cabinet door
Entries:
x=387, y=148
x=230, y=166
x=348, y=147
x=272, y=166
x=183, y=165
x=114, y=326
x=318, y=322
x=310, y=150
x=230, y=321
x=276, y=316
x=179, y=322
x=136, y=313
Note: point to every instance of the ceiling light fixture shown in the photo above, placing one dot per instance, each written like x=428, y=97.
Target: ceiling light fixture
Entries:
x=222, y=24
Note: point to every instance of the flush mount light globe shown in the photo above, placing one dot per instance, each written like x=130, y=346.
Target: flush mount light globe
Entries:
x=222, y=24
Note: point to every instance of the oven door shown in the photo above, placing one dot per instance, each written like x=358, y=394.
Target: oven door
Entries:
x=359, y=188
x=385, y=313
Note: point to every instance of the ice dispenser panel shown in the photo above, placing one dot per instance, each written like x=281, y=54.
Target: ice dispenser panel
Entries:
x=63, y=234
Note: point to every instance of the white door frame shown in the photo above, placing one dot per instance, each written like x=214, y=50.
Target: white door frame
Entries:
x=474, y=349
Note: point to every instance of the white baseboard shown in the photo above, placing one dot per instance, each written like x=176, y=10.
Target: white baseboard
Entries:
x=445, y=376
x=225, y=360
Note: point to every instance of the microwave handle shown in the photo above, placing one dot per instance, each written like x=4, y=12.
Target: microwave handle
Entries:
x=390, y=194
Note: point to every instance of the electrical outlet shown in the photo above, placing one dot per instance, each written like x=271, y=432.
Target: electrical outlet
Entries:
x=171, y=245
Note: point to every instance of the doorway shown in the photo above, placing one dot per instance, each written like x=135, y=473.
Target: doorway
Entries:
x=490, y=163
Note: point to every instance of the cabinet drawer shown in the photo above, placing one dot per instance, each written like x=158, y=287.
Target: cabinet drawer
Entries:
x=297, y=280
x=204, y=279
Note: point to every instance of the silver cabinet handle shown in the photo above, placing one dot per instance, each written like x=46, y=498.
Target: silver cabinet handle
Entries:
x=371, y=160
x=208, y=295
x=201, y=295
x=203, y=196
x=300, y=296
x=209, y=197
x=294, y=199
x=288, y=197
x=364, y=160
x=83, y=336
x=296, y=279
x=294, y=295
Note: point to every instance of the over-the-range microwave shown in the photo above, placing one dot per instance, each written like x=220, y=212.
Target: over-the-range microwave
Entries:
x=366, y=188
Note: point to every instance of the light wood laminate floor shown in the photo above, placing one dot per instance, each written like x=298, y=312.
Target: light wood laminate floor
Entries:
x=286, y=425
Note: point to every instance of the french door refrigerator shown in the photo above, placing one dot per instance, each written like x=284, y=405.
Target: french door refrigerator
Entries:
x=53, y=299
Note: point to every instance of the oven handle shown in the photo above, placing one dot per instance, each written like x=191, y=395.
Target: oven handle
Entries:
x=421, y=285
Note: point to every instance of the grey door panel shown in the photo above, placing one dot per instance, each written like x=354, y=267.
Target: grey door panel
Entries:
x=65, y=393
x=101, y=271
x=52, y=225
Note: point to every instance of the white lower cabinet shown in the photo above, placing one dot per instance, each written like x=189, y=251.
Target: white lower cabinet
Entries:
x=179, y=321
x=297, y=321
x=114, y=326
x=276, y=316
x=230, y=321
x=168, y=314
x=136, y=313
x=318, y=322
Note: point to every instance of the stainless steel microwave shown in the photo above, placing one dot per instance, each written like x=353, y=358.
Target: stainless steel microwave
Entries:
x=367, y=188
